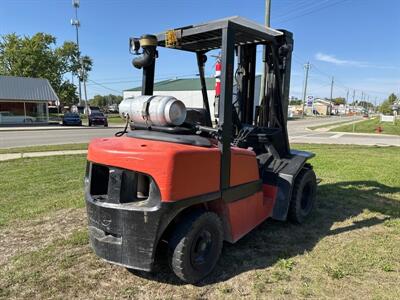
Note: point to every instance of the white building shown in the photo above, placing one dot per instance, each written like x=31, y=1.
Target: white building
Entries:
x=24, y=100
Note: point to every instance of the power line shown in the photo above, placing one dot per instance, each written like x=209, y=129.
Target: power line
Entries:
x=107, y=88
x=139, y=80
x=311, y=11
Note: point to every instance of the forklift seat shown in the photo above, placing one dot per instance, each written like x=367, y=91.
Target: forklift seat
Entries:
x=196, y=116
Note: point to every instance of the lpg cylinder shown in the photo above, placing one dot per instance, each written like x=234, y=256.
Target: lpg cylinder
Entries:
x=154, y=110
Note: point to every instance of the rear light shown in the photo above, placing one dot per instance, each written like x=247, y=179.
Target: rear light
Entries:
x=114, y=185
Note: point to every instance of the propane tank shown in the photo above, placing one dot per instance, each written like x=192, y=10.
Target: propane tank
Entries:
x=154, y=110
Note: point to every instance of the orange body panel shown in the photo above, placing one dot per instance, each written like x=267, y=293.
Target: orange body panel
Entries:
x=183, y=171
x=247, y=213
x=180, y=171
x=243, y=166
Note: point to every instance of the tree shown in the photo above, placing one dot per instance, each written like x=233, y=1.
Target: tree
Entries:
x=38, y=57
x=386, y=106
x=103, y=101
x=295, y=102
x=365, y=104
x=339, y=101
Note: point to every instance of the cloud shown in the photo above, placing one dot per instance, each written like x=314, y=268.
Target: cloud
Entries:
x=342, y=62
x=332, y=59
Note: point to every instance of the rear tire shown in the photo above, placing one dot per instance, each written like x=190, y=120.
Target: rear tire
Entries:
x=195, y=246
x=303, y=196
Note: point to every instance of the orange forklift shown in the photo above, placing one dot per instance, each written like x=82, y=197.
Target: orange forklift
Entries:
x=191, y=179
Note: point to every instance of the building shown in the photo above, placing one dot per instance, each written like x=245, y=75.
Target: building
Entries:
x=322, y=107
x=188, y=90
x=24, y=100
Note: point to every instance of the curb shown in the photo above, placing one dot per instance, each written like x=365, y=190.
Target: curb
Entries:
x=327, y=127
x=366, y=134
x=12, y=156
x=8, y=129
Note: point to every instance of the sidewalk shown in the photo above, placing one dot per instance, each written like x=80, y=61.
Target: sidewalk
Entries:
x=59, y=127
x=11, y=156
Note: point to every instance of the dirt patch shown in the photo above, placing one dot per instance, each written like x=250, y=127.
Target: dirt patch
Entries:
x=274, y=261
x=22, y=237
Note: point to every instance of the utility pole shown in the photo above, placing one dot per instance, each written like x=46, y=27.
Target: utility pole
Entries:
x=75, y=22
x=83, y=76
x=347, y=96
x=267, y=22
x=332, y=88
x=306, y=69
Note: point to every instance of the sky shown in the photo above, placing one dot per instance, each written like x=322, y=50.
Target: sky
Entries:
x=355, y=41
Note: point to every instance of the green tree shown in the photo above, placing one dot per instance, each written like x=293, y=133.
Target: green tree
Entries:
x=38, y=57
x=339, y=101
x=386, y=106
x=295, y=102
x=365, y=104
x=103, y=101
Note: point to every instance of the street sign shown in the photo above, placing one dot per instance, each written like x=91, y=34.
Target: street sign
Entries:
x=310, y=101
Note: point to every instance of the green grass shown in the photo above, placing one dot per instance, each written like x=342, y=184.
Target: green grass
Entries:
x=82, y=146
x=329, y=124
x=349, y=248
x=370, y=126
x=115, y=119
x=36, y=186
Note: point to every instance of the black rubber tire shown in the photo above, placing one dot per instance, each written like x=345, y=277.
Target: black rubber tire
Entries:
x=303, y=196
x=90, y=124
x=105, y=124
x=187, y=237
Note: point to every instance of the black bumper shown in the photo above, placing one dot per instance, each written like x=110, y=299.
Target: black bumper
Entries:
x=122, y=229
x=124, y=234
x=98, y=122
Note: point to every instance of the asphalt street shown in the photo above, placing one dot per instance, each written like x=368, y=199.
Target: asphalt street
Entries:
x=297, y=129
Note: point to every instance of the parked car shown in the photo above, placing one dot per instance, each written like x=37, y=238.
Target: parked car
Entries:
x=71, y=119
x=98, y=118
x=7, y=117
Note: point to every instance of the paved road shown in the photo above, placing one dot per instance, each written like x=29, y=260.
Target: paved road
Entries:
x=52, y=137
x=298, y=133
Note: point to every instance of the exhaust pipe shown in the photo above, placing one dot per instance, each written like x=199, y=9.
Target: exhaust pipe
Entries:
x=149, y=44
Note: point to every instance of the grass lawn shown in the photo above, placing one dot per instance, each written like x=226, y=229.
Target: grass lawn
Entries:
x=33, y=187
x=369, y=126
x=115, y=119
x=349, y=249
x=82, y=146
x=330, y=124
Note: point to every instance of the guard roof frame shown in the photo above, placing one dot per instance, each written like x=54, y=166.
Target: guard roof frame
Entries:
x=207, y=36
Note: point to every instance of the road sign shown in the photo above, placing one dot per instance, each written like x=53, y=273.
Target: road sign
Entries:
x=310, y=101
